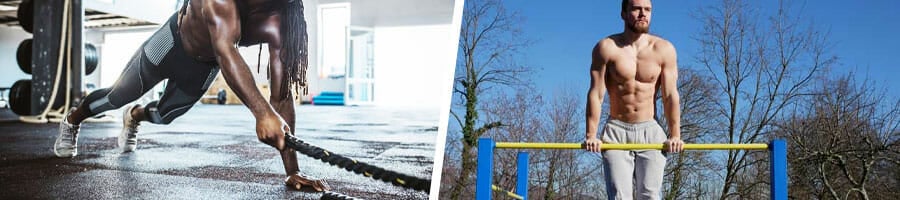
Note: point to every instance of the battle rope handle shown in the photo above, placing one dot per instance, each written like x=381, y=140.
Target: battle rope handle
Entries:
x=336, y=196
x=357, y=167
x=507, y=192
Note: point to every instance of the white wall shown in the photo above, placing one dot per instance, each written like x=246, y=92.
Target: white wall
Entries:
x=10, y=37
x=415, y=45
x=156, y=11
x=412, y=62
x=401, y=12
x=251, y=55
x=117, y=49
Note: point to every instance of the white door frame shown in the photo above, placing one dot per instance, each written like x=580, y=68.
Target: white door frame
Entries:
x=350, y=78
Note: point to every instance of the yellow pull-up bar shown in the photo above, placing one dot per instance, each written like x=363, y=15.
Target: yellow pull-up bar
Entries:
x=531, y=145
x=777, y=150
x=508, y=193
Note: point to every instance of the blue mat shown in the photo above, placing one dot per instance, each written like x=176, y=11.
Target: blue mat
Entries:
x=329, y=98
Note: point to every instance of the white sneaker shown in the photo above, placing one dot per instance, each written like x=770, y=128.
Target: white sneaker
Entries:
x=128, y=137
x=66, y=144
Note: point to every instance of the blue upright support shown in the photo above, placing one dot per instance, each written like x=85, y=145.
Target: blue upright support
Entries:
x=778, y=169
x=522, y=175
x=485, y=170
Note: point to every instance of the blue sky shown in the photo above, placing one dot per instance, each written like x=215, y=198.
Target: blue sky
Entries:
x=564, y=32
x=862, y=34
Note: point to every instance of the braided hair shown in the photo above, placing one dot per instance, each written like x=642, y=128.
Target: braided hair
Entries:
x=294, y=47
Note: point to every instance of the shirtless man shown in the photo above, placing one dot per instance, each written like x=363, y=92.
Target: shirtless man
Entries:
x=634, y=67
x=189, y=50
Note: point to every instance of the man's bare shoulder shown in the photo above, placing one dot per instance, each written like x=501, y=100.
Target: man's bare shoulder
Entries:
x=662, y=45
x=606, y=45
x=215, y=10
x=666, y=50
x=610, y=41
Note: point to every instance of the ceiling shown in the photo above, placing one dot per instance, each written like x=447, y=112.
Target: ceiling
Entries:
x=399, y=12
x=93, y=18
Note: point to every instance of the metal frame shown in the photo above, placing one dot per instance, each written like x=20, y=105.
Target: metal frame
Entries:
x=486, y=146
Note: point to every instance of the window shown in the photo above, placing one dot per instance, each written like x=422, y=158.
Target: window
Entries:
x=334, y=19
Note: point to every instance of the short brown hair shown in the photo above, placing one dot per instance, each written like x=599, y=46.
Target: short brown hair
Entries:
x=625, y=5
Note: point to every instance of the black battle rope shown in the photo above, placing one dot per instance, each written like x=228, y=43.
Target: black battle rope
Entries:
x=357, y=167
x=336, y=196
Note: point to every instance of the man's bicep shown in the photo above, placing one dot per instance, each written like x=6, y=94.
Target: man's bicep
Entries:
x=670, y=72
x=598, y=69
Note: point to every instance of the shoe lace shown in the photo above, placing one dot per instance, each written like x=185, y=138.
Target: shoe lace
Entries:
x=132, y=127
x=71, y=132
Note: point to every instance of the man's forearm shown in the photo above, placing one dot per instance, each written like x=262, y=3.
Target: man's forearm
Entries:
x=592, y=121
x=592, y=115
x=285, y=109
x=673, y=115
x=238, y=77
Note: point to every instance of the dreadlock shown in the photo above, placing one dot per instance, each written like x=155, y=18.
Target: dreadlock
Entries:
x=184, y=5
x=294, y=47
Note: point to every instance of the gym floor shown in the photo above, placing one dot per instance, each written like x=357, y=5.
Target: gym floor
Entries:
x=212, y=152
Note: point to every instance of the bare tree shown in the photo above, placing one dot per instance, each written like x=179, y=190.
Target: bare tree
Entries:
x=520, y=113
x=488, y=40
x=562, y=126
x=760, y=69
x=845, y=143
x=566, y=174
x=684, y=171
x=554, y=174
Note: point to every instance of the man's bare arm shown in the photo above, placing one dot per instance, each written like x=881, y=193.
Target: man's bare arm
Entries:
x=280, y=94
x=224, y=26
x=595, y=97
x=670, y=97
x=281, y=97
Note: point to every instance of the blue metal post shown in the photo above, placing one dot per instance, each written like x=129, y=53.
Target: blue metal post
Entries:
x=485, y=170
x=522, y=175
x=778, y=169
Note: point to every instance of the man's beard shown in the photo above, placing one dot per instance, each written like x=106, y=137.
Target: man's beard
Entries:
x=639, y=29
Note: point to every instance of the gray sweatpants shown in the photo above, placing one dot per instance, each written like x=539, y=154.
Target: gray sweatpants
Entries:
x=630, y=172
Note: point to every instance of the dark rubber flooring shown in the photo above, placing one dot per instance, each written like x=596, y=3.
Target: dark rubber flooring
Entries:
x=212, y=153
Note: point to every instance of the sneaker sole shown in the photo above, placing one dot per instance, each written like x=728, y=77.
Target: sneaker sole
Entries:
x=56, y=152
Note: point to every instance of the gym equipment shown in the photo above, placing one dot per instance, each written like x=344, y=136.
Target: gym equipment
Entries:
x=357, y=167
x=336, y=196
x=777, y=149
x=221, y=97
x=508, y=193
x=50, y=89
x=91, y=58
x=329, y=98
x=20, y=97
x=25, y=14
x=23, y=55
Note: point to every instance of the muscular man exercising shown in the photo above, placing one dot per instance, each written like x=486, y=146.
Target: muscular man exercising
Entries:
x=634, y=66
x=189, y=50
